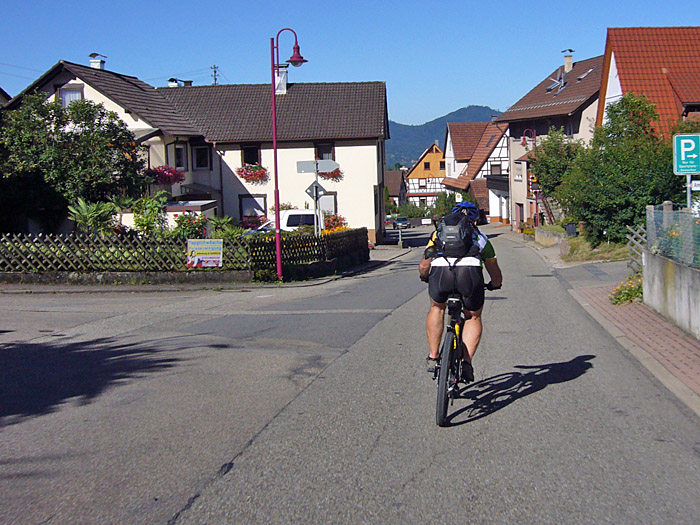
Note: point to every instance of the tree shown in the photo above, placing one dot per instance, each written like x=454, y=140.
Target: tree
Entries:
x=552, y=160
x=627, y=166
x=81, y=151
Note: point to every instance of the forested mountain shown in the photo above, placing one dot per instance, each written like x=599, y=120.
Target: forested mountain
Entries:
x=408, y=142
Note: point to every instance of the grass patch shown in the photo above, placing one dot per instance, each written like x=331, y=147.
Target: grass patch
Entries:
x=553, y=228
x=581, y=250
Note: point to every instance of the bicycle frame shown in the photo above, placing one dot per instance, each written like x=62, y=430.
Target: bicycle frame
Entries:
x=448, y=369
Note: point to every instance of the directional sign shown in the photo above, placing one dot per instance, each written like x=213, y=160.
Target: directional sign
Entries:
x=326, y=166
x=686, y=154
x=315, y=190
x=310, y=166
x=306, y=166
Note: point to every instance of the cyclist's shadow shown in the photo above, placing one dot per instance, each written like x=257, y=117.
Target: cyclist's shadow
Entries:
x=497, y=392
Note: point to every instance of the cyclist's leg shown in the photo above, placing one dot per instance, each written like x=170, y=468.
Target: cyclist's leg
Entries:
x=471, y=333
x=471, y=286
x=434, y=325
x=439, y=285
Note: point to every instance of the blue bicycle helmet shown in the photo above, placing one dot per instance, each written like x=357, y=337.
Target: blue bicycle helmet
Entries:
x=469, y=209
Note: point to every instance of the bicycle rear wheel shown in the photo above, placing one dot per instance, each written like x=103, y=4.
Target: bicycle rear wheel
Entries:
x=444, y=379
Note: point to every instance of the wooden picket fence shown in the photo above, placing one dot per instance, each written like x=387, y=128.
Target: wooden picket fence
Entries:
x=636, y=241
x=124, y=253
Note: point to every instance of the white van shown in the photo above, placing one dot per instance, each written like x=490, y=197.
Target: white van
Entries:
x=290, y=220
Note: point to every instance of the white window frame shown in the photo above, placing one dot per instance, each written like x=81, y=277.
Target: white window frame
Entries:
x=195, y=160
x=62, y=92
x=182, y=147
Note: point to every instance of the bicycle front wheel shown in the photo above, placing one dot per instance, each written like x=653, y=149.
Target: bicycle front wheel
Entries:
x=446, y=356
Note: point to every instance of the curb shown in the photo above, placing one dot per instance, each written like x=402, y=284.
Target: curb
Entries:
x=671, y=382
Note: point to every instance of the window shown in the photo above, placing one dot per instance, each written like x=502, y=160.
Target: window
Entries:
x=200, y=157
x=422, y=183
x=325, y=151
x=442, y=165
x=495, y=169
x=250, y=154
x=180, y=157
x=426, y=165
x=252, y=205
x=423, y=201
x=518, y=171
x=70, y=94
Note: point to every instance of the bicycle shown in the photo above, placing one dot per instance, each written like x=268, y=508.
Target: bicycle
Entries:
x=449, y=367
x=448, y=370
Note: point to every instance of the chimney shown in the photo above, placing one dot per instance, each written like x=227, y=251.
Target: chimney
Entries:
x=568, y=62
x=187, y=83
x=97, y=61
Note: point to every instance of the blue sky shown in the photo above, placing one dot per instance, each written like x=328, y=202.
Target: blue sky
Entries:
x=435, y=57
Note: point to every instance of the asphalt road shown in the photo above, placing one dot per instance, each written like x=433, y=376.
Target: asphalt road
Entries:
x=311, y=404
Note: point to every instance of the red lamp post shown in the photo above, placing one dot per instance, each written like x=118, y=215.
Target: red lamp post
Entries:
x=296, y=60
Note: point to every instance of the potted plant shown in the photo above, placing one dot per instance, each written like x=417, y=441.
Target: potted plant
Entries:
x=253, y=173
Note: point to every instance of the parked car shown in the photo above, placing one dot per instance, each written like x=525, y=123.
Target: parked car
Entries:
x=401, y=223
x=290, y=220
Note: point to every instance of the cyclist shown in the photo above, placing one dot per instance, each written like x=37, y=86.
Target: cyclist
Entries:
x=465, y=275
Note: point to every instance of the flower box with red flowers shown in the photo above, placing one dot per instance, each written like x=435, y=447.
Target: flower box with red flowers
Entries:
x=253, y=173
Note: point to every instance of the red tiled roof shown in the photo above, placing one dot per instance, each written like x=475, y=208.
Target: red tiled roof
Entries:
x=582, y=84
x=663, y=63
x=481, y=193
x=492, y=133
x=465, y=138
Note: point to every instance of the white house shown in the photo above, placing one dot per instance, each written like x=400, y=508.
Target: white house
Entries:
x=485, y=173
x=210, y=131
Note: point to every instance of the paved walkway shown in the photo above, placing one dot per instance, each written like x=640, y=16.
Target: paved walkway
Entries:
x=669, y=353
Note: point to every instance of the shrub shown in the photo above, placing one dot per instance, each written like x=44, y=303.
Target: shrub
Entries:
x=629, y=290
x=189, y=225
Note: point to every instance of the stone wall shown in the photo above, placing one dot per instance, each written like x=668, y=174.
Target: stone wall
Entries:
x=673, y=290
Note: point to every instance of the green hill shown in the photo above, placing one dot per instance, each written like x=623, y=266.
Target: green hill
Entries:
x=407, y=143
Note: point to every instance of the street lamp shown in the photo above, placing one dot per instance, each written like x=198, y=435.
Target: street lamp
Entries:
x=296, y=60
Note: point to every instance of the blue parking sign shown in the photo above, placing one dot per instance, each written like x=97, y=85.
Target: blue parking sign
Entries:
x=686, y=153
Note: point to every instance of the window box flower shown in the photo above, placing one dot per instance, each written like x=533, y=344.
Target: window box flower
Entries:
x=165, y=175
x=253, y=173
x=335, y=175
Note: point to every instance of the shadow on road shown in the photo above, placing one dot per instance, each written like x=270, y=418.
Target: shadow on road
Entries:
x=495, y=393
x=36, y=378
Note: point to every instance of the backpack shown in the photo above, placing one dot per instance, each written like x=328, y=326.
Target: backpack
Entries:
x=456, y=236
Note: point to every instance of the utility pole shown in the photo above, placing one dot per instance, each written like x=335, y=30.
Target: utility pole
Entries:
x=214, y=75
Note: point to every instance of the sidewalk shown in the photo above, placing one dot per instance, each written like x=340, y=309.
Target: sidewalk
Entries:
x=669, y=353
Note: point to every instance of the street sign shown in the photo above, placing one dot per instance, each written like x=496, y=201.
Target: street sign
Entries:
x=306, y=166
x=315, y=190
x=695, y=186
x=326, y=166
x=310, y=166
x=686, y=154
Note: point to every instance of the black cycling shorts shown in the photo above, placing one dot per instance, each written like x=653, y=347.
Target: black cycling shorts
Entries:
x=466, y=280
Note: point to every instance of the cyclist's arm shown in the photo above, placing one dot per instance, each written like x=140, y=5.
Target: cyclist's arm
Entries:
x=428, y=256
x=494, y=270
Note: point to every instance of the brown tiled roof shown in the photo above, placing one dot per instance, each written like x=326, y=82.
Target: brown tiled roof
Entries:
x=242, y=112
x=663, y=63
x=4, y=96
x=492, y=133
x=465, y=138
x=582, y=84
x=481, y=193
x=392, y=180
x=129, y=92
